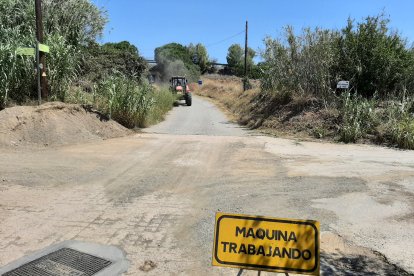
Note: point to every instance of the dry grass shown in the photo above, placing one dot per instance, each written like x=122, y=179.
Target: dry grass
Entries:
x=228, y=92
x=307, y=117
x=287, y=115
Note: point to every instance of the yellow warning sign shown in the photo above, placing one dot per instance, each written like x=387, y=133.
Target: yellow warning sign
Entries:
x=268, y=244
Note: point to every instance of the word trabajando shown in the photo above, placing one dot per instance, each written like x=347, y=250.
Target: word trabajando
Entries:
x=270, y=249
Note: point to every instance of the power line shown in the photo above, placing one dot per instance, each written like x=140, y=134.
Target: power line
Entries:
x=223, y=40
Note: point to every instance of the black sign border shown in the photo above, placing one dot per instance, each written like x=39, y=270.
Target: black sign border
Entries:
x=264, y=266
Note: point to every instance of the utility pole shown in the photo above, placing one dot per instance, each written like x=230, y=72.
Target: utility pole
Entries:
x=245, y=57
x=41, y=64
x=38, y=75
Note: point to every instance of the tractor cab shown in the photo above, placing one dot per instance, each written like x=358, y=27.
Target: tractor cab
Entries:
x=179, y=85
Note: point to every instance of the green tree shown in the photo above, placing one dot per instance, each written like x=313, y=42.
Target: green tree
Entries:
x=192, y=51
x=173, y=51
x=123, y=57
x=175, y=59
x=235, y=59
x=199, y=56
x=202, y=58
x=250, y=62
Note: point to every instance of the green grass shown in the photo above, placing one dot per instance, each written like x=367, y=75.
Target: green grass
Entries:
x=130, y=103
x=358, y=117
x=402, y=133
x=400, y=126
x=163, y=102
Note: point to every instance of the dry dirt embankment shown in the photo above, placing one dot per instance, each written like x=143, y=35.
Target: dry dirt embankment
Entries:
x=53, y=124
x=343, y=117
x=297, y=118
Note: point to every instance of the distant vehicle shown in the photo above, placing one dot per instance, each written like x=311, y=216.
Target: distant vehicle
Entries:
x=179, y=85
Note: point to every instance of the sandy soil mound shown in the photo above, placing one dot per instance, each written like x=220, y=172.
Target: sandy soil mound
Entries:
x=54, y=124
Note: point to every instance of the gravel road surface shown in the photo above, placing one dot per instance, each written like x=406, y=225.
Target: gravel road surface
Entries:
x=202, y=118
x=155, y=194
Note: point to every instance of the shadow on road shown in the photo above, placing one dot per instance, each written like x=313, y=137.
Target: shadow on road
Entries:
x=340, y=264
x=179, y=103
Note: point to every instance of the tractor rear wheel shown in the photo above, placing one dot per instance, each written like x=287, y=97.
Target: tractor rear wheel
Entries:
x=188, y=99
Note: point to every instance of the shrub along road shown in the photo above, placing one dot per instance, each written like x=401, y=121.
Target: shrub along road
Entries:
x=155, y=194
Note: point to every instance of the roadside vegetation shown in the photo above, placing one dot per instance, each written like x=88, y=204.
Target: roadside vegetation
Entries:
x=110, y=77
x=174, y=59
x=293, y=87
x=297, y=93
x=127, y=101
x=379, y=64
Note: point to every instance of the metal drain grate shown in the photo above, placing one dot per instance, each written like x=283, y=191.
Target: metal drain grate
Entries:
x=63, y=262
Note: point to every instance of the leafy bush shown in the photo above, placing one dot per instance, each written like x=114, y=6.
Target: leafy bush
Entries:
x=373, y=58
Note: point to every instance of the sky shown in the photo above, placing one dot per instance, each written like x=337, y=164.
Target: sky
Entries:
x=217, y=24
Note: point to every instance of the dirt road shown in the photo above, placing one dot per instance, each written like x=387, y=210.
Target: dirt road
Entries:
x=203, y=118
x=155, y=195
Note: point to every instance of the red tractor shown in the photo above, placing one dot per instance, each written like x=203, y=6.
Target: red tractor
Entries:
x=179, y=86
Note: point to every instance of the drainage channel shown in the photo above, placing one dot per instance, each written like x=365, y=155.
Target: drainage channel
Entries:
x=71, y=258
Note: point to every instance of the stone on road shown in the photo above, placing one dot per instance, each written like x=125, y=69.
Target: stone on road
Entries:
x=155, y=195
